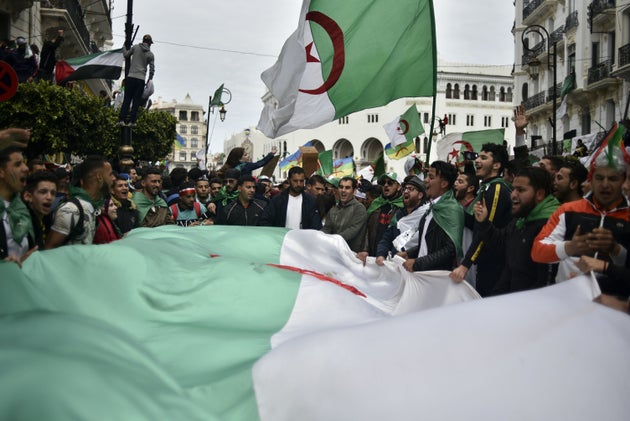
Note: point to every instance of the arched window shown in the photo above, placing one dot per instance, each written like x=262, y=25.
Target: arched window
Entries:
x=449, y=92
x=524, y=91
x=502, y=94
x=484, y=93
x=467, y=91
x=508, y=97
x=456, y=91
x=492, y=95
x=474, y=93
x=425, y=144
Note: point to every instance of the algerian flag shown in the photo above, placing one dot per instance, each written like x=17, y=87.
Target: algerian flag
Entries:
x=325, y=163
x=343, y=59
x=216, y=98
x=105, y=65
x=451, y=146
x=404, y=128
x=169, y=322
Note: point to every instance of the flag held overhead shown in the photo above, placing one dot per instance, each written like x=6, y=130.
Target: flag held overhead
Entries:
x=343, y=59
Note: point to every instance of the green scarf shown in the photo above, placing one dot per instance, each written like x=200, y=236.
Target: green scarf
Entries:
x=543, y=210
x=396, y=202
x=449, y=215
x=224, y=197
x=144, y=204
x=19, y=218
x=79, y=193
x=484, y=187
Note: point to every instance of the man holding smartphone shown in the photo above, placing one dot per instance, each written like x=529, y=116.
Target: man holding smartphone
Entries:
x=597, y=225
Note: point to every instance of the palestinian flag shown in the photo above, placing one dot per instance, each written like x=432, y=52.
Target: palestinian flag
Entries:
x=345, y=59
x=104, y=65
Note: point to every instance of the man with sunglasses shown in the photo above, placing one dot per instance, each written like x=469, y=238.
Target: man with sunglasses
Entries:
x=382, y=210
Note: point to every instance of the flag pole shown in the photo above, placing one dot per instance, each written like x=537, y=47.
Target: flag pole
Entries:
x=125, y=151
x=435, y=58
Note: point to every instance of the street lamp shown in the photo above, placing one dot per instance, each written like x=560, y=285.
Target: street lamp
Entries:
x=222, y=113
x=534, y=70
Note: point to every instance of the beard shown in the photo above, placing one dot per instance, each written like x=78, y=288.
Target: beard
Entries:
x=524, y=209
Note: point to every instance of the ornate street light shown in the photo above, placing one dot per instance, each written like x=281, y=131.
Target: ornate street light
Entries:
x=534, y=70
x=222, y=113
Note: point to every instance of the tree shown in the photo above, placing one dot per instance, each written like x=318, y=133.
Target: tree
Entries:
x=69, y=120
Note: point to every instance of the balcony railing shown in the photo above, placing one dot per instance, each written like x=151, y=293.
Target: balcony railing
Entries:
x=550, y=92
x=598, y=6
x=624, y=55
x=74, y=10
x=599, y=72
x=557, y=35
x=530, y=7
x=535, y=101
x=572, y=21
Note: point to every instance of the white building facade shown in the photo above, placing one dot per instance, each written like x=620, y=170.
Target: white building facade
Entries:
x=592, y=40
x=191, y=127
x=473, y=98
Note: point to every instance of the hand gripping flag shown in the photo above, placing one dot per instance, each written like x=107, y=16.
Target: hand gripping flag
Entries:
x=349, y=57
x=405, y=127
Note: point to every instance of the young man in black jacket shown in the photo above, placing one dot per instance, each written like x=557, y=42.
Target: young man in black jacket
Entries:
x=245, y=210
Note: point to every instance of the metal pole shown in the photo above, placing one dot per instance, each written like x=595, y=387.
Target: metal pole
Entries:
x=554, y=146
x=208, y=132
x=125, y=151
x=128, y=33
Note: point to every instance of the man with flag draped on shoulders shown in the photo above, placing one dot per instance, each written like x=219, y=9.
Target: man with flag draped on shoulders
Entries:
x=441, y=228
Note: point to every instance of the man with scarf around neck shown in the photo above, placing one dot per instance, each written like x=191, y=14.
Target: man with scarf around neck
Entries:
x=440, y=229
x=16, y=226
x=127, y=210
x=405, y=221
x=382, y=210
x=152, y=209
x=91, y=185
x=532, y=204
x=493, y=189
x=596, y=226
x=39, y=196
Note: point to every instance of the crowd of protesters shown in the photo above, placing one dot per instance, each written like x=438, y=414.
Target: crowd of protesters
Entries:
x=504, y=226
x=28, y=62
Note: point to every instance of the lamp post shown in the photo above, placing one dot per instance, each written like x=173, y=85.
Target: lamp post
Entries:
x=534, y=69
x=221, y=98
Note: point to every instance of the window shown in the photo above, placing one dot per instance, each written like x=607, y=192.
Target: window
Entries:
x=474, y=93
x=425, y=119
x=194, y=142
x=456, y=91
x=505, y=122
x=182, y=156
x=372, y=118
x=492, y=96
x=485, y=94
x=502, y=95
x=194, y=130
x=183, y=129
x=508, y=96
x=425, y=145
x=470, y=120
x=343, y=120
x=487, y=121
x=194, y=115
x=571, y=59
x=183, y=116
x=467, y=91
x=451, y=119
x=449, y=91
x=524, y=91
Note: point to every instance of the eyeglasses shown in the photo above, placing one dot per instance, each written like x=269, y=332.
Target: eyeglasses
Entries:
x=410, y=187
x=388, y=183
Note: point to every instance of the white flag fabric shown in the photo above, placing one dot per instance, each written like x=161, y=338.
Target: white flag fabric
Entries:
x=396, y=137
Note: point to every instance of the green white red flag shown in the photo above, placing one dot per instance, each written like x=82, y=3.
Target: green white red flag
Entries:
x=451, y=147
x=344, y=59
x=405, y=127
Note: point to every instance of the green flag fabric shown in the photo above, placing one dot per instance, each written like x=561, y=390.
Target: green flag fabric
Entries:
x=411, y=119
x=325, y=163
x=350, y=56
x=451, y=147
x=216, y=98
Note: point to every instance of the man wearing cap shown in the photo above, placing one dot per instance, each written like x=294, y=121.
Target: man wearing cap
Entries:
x=141, y=57
x=347, y=218
x=23, y=61
x=400, y=233
x=382, y=210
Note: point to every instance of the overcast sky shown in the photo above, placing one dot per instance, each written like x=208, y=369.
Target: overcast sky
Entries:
x=200, y=44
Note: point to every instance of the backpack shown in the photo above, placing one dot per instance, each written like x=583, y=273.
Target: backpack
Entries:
x=175, y=210
x=78, y=228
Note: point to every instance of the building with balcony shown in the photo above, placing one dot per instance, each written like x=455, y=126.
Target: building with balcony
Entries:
x=191, y=127
x=591, y=40
x=473, y=97
x=87, y=27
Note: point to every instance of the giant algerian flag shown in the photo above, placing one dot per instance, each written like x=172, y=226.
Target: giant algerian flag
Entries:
x=105, y=65
x=451, y=146
x=168, y=322
x=405, y=127
x=349, y=56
